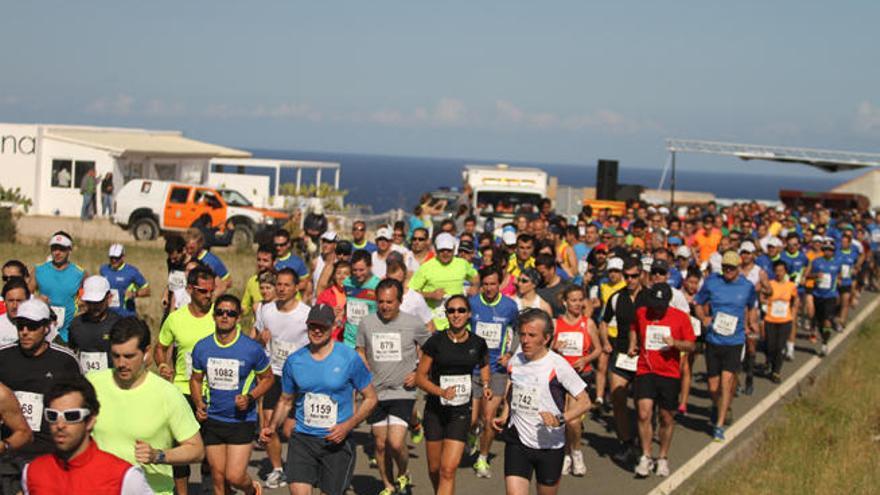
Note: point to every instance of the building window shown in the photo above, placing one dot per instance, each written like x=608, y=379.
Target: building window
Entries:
x=68, y=174
x=62, y=173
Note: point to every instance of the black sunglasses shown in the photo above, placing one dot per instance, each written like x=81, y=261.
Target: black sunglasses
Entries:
x=226, y=312
x=419, y=239
x=631, y=275
x=281, y=244
x=457, y=310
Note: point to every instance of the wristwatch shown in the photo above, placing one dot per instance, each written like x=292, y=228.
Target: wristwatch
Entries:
x=250, y=398
x=560, y=418
x=160, y=457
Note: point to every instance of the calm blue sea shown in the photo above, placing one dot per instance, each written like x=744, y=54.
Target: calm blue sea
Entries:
x=386, y=182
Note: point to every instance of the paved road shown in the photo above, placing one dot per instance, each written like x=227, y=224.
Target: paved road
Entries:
x=604, y=476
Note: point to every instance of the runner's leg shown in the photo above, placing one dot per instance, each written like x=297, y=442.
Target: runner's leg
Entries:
x=646, y=431
x=449, y=460
x=217, y=459
x=383, y=462
x=237, y=457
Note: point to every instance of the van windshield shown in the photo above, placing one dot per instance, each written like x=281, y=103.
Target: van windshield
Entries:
x=234, y=198
x=506, y=202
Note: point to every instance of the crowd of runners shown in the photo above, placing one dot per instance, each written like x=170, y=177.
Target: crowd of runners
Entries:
x=432, y=333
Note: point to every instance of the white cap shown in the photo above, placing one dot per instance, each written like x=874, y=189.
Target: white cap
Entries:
x=664, y=210
x=444, y=241
x=747, y=247
x=508, y=237
x=384, y=233
x=34, y=310
x=715, y=263
x=775, y=241
x=61, y=240
x=116, y=250
x=780, y=208
x=615, y=264
x=329, y=236
x=683, y=251
x=95, y=289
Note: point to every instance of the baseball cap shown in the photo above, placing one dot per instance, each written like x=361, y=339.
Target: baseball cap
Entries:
x=444, y=241
x=344, y=247
x=384, y=233
x=466, y=247
x=33, y=310
x=747, y=247
x=674, y=241
x=329, y=236
x=321, y=315
x=601, y=247
x=508, y=237
x=730, y=258
x=659, y=295
x=660, y=266
x=683, y=251
x=775, y=241
x=95, y=289
x=615, y=264
x=61, y=240
x=828, y=242
x=116, y=250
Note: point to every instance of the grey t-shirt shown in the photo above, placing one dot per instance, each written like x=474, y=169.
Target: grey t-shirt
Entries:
x=390, y=348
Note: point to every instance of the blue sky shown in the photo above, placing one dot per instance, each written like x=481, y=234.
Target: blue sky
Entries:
x=564, y=81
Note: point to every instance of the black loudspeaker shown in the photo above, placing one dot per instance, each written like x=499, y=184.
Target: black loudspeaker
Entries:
x=606, y=179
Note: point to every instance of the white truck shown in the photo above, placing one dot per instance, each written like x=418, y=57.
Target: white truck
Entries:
x=502, y=191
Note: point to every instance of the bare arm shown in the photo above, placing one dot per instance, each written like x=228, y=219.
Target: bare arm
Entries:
x=162, y=355
x=196, y=380
x=10, y=413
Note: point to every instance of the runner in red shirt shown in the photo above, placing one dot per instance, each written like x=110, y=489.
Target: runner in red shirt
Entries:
x=662, y=333
x=577, y=340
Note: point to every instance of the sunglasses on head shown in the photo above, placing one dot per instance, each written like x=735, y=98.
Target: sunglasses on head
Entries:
x=70, y=415
x=226, y=312
x=462, y=310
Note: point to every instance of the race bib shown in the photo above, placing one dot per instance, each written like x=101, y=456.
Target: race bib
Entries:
x=824, y=281
x=654, y=336
x=462, y=384
x=31, y=408
x=59, y=315
x=583, y=266
x=797, y=277
x=320, y=410
x=524, y=399
x=92, y=361
x=280, y=351
x=386, y=347
x=779, y=309
x=845, y=271
x=223, y=373
x=176, y=280
x=697, y=325
x=356, y=310
x=115, y=298
x=491, y=332
x=875, y=235
x=571, y=343
x=724, y=324
x=626, y=362
x=188, y=364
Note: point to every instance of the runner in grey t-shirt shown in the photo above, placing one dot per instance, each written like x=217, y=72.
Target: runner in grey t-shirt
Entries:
x=389, y=343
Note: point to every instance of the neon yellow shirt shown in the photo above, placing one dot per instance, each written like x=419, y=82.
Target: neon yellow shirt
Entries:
x=251, y=295
x=184, y=330
x=433, y=275
x=154, y=412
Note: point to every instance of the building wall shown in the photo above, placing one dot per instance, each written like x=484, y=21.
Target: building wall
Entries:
x=56, y=198
x=18, y=157
x=867, y=184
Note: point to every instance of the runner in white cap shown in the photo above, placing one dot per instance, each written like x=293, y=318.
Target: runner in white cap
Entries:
x=126, y=282
x=59, y=281
x=90, y=331
x=443, y=276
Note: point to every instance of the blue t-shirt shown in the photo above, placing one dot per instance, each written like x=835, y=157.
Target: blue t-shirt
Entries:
x=766, y=263
x=213, y=262
x=494, y=322
x=795, y=264
x=675, y=278
x=730, y=299
x=61, y=287
x=324, y=386
x=874, y=234
x=847, y=259
x=367, y=246
x=230, y=371
x=293, y=262
x=122, y=280
x=827, y=273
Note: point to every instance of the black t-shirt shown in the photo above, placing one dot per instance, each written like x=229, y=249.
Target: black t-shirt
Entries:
x=92, y=336
x=551, y=295
x=622, y=308
x=35, y=375
x=451, y=359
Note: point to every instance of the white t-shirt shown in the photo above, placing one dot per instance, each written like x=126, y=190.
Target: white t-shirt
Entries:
x=414, y=304
x=289, y=331
x=680, y=302
x=379, y=266
x=521, y=305
x=536, y=387
x=316, y=274
x=8, y=332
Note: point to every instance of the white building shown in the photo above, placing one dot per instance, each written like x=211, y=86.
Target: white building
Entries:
x=48, y=161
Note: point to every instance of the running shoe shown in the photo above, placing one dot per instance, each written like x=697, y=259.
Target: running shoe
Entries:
x=276, y=479
x=662, y=468
x=403, y=483
x=776, y=378
x=578, y=468
x=823, y=351
x=388, y=491
x=373, y=462
x=417, y=434
x=482, y=468
x=750, y=386
x=645, y=466
x=566, y=465
x=718, y=434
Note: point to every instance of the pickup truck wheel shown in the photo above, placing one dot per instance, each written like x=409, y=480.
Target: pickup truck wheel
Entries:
x=145, y=229
x=243, y=236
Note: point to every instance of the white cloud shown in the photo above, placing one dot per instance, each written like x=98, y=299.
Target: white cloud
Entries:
x=450, y=111
x=161, y=108
x=867, y=118
x=509, y=114
x=120, y=104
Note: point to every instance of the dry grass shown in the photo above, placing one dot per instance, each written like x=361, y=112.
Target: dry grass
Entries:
x=825, y=442
x=149, y=260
